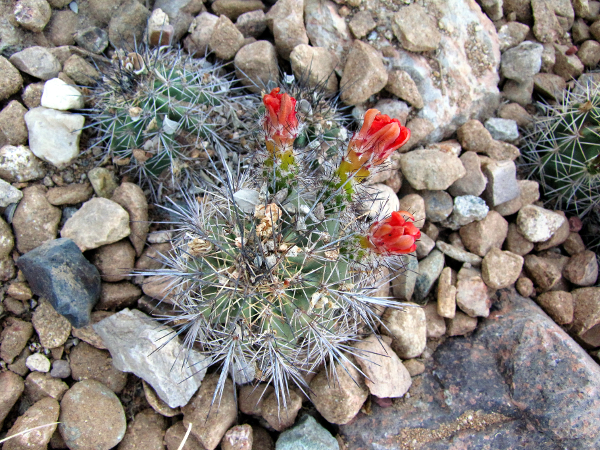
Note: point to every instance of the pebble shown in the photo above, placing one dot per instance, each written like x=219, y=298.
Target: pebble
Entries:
x=36, y=61
x=467, y=209
x=81, y=71
x=501, y=269
x=13, y=130
x=38, y=362
x=307, y=434
x=559, y=236
x=403, y=285
x=516, y=242
x=280, y=415
x=58, y=272
x=116, y=296
x=91, y=417
x=238, y=437
x=159, y=31
x=33, y=15
x=424, y=246
x=54, y=135
x=252, y=23
x=522, y=62
x=582, y=269
x=460, y=325
x=549, y=85
x=256, y=65
x=35, y=220
x=403, y=86
x=516, y=112
x=431, y=169
x=201, y=30
x=98, y=222
x=543, y=272
x=181, y=13
x=18, y=164
x=225, y=39
x=362, y=23
x=10, y=79
x=416, y=29
x=472, y=293
x=90, y=363
x=62, y=96
x=589, y=53
x=446, y=294
x=338, y=400
x=7, y=241
x=251, y=398
x=87, y=333
x=572, y=245
x=157, y=404
x=93, y=39
x=145, y=431
x=436, y=326
x=420, y=128
x=474, y=137
x=130, y=333
x=71, y=194
x=414, y=204
x=32, y=95
x=438, y=205
x=43, y=412
x=315, y=66
x=126, y=28
x=586, y=315
x=209, y=424
x=364, y=74
x=326, y=28
x=429, y=270
x=518, y=92
x=11, y=388
x=60, y=369
x=474, y=182
x=537, y=224
x=103, y=181
x=502, y=183
x=15, y=334
x=512, y=34
x=567, y=66
x=408, y=329
x=525, y=286
x=19, y=290
x=131, y=197
x=479, y=237
x=175, y=435
x=52, y=328
x=385, y=376
x=502, y=129
x=529, y=192
x=546, y=26
x=39, y=385
x=114, y=261
x=286, y=21
x=558, y=305
x=458, y=254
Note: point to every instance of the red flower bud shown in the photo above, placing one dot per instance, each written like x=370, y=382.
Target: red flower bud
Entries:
x=393, y=235
x=378, y=138
x=280, y=122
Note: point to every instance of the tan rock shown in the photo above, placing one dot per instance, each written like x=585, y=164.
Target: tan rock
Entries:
x=558, y=305
x=279, y=413
x=573, y=244
x=145, y=431
x=543, y=272
x=226, y=39
x=481, y=236
x=416, y=29
x=586, y=315
x=500, y=269
x=88, y=334
x=460, y=325
x=285, y=19
x=251, y=398
x=239, y=437
x=256, y=65
x=157, y=404
x=582, y=269
x=408, y=328
x=446, y=300
x=175, y=436
x=43, y=412
x=316, y=66
x=90, y=363
x=69, y=195
x=525, y=287
x=114, y=261
x=516, y=242
x=472, y=294
x=436, y=327
x=364, y=74
x=403, y=86
x=52, y=328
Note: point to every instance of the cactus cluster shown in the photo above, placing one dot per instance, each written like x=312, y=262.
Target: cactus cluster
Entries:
x=158, y=112
x=563, y=150
x=275, y=270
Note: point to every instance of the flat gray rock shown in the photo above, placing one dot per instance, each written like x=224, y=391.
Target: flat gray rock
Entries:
x=142, y=346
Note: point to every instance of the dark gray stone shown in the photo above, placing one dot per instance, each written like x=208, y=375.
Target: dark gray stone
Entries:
x=518, y=382
x=58, y=271
x=93, y=39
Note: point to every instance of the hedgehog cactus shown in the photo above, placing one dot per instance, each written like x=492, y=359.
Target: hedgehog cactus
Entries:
x=156, y=111
x=275, y=271
x=563, y=151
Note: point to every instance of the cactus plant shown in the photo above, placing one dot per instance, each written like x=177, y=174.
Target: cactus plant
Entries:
x=275, y=271
x=563, y=150
x=157, y=111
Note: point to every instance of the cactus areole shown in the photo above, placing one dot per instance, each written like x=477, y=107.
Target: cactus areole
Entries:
x=276, y=271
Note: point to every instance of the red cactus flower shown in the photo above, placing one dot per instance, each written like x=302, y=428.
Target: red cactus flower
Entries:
x=378, y=138
x=393, y=235
x=280, y=122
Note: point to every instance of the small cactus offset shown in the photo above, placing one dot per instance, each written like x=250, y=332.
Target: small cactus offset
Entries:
x=563, y=151
x=157, y=111
x=275, y=272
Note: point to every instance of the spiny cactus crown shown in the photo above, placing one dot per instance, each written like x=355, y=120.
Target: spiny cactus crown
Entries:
x=563, y=150
x=275, y=271
x=158, y=111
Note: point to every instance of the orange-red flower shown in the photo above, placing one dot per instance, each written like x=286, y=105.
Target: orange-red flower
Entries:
x=378, y=138
x=280, y=122
x=393, y=235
